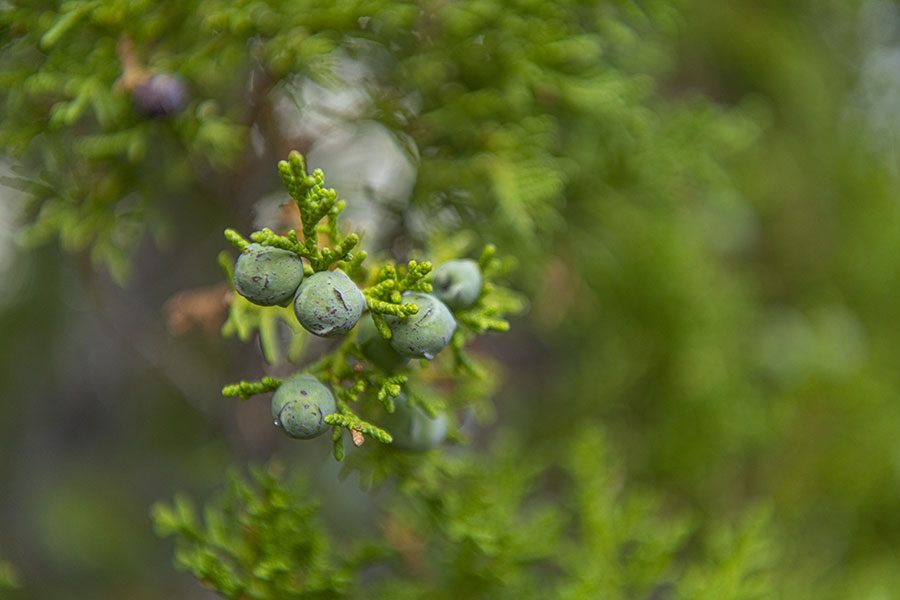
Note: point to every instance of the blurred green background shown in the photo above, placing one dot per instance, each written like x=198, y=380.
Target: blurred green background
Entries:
x=703, y=198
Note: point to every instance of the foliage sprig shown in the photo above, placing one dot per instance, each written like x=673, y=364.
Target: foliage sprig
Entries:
x=361, y=387
x=257, y=541
x=247, y=389
x=505, y=527
x=385, y=296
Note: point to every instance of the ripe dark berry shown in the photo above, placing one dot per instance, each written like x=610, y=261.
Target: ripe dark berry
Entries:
x=412, y=428
x=267, y=276
x=457, y=283
x=425, y=333
x=299, y=407
x=161, y=95
x=329, y=304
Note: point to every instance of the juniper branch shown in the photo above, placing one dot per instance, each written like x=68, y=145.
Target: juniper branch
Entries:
x=352, y=263
x=246, y=389
x=340, y=252
x=267, y=237
x=350, y=422
x=415, y=273
x=389, y=308
x=381, y=325
x=337, y=439
x=381, y=289
x=346, y=418
x=479, y=323
x=235, y=238
x=293, y=175
x=390, y=388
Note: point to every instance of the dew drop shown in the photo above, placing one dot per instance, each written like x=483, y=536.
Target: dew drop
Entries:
x=277, y=423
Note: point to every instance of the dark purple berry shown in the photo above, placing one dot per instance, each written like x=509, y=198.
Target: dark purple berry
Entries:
x=161, y=95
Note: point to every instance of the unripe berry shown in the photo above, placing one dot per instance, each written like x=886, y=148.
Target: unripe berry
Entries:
x=425, y=333
x=160, y=95
x=329, y=304
x=377, y=349
x=412, y=428
x=299, y=407
x=267, y=276
x=457, y=283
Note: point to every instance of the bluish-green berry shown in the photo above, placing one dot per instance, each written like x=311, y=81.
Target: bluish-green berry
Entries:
x=378, y=350
x=457, y=283
x=299, y=407
x=329, y=304
x=425, y=333
x=412, y=428
x=267, y=276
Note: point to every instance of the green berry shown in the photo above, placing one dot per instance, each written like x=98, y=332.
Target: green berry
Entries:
x=425, y=333
x=412, y=428
x=457, y=283
x=378, y=350
x=267, y=276
x=299, y=407
x=329, y=304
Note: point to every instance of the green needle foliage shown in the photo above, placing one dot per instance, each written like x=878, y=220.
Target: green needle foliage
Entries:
x=256, y=542
x=459, y=528
x=246, y=389
x=700, y=199
x=497, y=99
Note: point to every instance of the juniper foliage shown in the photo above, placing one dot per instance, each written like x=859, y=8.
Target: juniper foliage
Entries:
x=457, y=528
x=701, y=200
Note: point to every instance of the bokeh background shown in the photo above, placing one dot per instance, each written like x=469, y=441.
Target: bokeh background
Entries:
x=702, y=195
